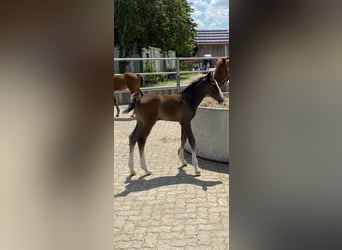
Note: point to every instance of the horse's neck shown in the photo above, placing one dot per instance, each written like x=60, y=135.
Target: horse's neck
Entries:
x=225, y=79
x=195, y=96
x=222, y=77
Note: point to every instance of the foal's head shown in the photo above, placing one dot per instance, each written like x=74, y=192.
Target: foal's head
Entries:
x=222, y=70
x=212, y=88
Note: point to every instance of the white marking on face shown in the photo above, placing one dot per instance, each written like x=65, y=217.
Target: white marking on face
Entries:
x=221, y=94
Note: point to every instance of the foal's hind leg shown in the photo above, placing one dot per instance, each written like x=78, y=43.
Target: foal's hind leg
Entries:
x=133, y=137
x=181, y=149
x=192, y=143
x=141, y=145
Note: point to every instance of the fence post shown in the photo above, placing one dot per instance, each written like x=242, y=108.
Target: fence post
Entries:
x=177, y=75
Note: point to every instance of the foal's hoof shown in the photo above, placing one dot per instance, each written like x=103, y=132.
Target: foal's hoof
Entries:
x=117, y=115
x=133, y=173
x=197, y=173
x=148, y=173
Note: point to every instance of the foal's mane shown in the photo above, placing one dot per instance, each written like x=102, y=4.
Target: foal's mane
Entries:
x=194, y=84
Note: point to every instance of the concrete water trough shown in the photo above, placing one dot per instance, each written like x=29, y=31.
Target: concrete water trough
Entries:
x=210, y=127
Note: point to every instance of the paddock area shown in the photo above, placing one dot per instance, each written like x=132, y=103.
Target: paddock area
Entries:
x=172, y=208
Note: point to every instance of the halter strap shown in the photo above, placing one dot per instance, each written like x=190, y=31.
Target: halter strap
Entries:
x=219, y=89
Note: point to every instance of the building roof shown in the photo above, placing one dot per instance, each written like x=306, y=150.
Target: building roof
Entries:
x=212, y=37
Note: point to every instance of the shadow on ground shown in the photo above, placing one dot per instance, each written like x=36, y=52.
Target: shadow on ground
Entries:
x=123, y=119
x=181, y=178
x=213, y=166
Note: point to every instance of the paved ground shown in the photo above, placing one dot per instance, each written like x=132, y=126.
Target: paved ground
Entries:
x=172, y=209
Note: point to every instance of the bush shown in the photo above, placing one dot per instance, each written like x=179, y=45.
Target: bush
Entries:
x=171, y=70
x=184, y=66
x=149, y=68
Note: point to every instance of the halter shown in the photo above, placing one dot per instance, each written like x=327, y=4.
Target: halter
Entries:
x=219, y=89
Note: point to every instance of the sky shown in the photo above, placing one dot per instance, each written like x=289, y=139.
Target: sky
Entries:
x=210, y=14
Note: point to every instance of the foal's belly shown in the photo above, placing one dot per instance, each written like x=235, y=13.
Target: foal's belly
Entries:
x=162, y=107
x=168, y=116
x=170, y=111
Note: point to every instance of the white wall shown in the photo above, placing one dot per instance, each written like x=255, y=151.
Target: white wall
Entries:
x=134, y=66
x=152, y=52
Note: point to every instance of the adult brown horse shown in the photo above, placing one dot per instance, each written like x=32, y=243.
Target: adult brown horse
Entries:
x=180, y=107
x=129, y=80
x=222, y=70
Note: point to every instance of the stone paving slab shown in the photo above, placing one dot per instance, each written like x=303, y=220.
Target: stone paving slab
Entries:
x=171, y=209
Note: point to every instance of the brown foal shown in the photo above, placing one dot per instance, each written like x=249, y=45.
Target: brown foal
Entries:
x=180, y=107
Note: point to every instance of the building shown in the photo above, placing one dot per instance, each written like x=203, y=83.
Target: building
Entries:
x=159, y=65
x=212, y=43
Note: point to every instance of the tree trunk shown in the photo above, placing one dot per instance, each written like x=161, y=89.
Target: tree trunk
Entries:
x=122, y=64
x=122, y=52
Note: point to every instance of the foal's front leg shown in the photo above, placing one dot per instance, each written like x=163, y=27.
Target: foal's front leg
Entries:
x=181, y=149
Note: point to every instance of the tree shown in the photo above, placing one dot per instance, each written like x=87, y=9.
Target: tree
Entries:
x=165, y=24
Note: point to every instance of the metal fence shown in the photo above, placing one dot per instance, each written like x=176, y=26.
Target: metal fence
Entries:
x=177, y=72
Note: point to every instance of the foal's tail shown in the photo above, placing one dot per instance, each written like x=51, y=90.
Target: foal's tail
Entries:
x=135, y=98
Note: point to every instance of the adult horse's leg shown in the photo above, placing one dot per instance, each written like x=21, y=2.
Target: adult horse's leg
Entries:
x=133, y=137
x=141, y=145
x=192, y=143
x=181, y=149
x=116, y=105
